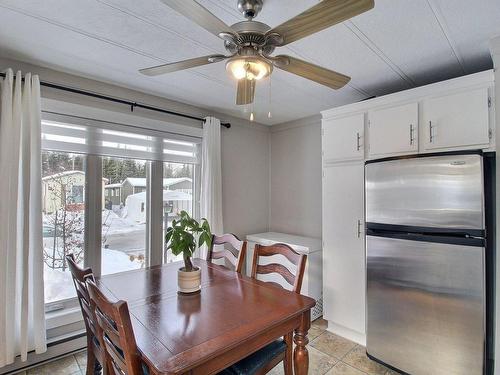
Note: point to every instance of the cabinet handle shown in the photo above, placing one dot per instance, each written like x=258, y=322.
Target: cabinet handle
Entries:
x=411, y=134
x=358, y=145
x=431, y=138
x=359, y=228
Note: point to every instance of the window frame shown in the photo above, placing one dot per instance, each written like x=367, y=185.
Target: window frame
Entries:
x=92, y=199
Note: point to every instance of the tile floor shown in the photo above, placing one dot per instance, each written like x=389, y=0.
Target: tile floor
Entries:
x=328, y=354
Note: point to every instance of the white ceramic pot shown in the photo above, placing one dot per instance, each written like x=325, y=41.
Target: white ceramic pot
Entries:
x=189, y=282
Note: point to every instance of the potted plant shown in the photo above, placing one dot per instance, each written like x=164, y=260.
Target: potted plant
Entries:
x=184, y=237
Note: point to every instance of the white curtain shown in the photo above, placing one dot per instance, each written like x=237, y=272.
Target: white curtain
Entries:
x=22, y=317
x=211, y=177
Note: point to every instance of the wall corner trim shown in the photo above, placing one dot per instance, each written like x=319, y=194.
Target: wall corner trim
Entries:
x=306, y=121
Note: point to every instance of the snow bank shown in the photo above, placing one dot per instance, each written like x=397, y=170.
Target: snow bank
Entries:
x=59, y=285
x=112, y=223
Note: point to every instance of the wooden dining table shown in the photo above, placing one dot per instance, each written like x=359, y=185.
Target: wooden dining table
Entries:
x=232, y=317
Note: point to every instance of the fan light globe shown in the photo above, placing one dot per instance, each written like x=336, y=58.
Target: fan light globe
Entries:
x=249, y=68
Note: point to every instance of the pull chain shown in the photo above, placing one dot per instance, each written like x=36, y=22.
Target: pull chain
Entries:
x=252, y=117
x=269, y=115
x=251, y=112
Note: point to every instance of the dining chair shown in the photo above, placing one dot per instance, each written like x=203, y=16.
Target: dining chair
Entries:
x=95, y=353
x=114, y=327
x=265, y=359
x=234, y=250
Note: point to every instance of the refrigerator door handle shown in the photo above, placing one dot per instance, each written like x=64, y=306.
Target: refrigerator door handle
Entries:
x=359, y=228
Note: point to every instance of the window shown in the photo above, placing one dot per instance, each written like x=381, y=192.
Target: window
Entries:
x=178, y=195
x=76, y=194
x=124, y=221
x=63, y=179
x=126, y=154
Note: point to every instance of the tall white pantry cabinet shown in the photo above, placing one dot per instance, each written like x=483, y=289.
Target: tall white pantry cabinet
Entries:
x=453, y=115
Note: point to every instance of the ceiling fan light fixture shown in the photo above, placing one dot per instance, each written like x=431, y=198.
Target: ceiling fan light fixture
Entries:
x=249, y=68
x=249, y=44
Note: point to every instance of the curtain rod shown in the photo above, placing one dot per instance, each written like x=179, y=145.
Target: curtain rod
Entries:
x=130, y=103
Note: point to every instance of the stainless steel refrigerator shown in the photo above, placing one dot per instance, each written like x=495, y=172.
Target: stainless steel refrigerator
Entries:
x=430, y=259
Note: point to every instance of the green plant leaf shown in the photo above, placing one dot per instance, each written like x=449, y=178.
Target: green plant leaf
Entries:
x=203, y=239
x=186, y=234
x=168, y=235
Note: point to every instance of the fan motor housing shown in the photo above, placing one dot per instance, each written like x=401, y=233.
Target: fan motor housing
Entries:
x=251, y=27
x=250, y=33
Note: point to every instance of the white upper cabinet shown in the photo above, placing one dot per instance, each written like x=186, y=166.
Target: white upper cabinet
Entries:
x=393, y=131
x=343, y=138
x=443, y=116
x=456, y=121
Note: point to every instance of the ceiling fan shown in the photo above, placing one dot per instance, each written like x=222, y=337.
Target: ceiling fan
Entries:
x=250, y=43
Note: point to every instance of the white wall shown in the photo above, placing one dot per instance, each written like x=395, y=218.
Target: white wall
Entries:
x=296, y=177
x=245, y=179
x=245, y=147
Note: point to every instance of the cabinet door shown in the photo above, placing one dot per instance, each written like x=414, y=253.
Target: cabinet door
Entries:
x=343, y=248
x=393, y=131
x=456, y=120
x=343, y=138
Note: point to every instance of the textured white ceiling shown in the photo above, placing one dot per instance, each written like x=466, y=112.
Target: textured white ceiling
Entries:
x=398, y=45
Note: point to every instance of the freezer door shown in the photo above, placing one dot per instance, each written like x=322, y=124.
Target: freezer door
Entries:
x=436, y=192
x=426, y=306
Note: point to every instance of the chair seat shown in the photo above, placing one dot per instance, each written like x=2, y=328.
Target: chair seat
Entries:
x=254, y=362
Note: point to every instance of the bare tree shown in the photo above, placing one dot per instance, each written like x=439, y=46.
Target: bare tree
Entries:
x=66, y=221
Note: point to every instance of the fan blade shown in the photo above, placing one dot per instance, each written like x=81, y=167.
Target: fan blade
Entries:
x=181, y=65
x=200, y=15
x=319, y=17
x=245, y=92
x=310, y=71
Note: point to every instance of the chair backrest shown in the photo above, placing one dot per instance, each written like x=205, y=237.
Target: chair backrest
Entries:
x=80, y=275
x=115, y=328
x=299, y=260
x=234, y=250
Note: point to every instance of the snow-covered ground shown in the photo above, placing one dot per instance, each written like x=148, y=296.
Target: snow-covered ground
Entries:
x=117, y=223
x=59, y=285
x=120, y=233
x=123, y=240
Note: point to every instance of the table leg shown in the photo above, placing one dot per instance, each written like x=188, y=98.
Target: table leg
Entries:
x=300, y=354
